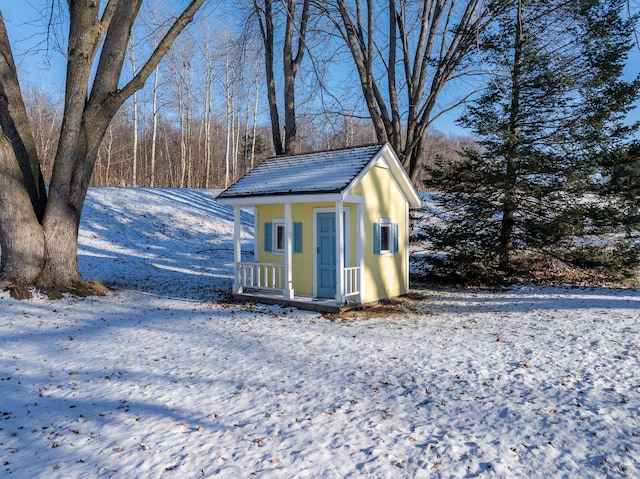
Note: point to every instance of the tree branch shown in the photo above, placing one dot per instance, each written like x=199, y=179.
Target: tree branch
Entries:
x=163, y=47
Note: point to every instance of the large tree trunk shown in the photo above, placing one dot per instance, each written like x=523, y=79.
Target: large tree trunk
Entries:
x=62, y=218
x=69, y=182
x=291, y=64
x=21, y=236
x=283, y=142
x=265, y=20
x=22, y=192
x=39, y=244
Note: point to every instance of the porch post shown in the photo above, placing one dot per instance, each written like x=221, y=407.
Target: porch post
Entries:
x=360, y=248
x=340, y=252
x=237, y=249
x=406, y=246
x=255, y=233
x=288, y=253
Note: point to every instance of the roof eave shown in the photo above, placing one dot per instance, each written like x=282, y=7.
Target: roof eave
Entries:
x=309, y=197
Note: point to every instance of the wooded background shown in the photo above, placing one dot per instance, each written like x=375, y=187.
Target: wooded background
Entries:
x=207, y=114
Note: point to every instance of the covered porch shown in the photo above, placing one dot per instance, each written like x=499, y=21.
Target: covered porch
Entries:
x=273, y=282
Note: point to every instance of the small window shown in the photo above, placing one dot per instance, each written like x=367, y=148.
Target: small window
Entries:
x=274, y=237
x=278, y=238
x=385, y=237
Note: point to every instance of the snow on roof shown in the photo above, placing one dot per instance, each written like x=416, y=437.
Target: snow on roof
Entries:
x=321, y=172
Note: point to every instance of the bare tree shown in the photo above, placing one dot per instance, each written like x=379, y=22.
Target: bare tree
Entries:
x=295, y=31
x=181, y=62
x=207, y=49
x=405, y=61
x=45, y=116
x=633, y=12
x=153, y=13
x=134, y=164
x=255, y=121
x=229, y=84
x=154, y=128
x=39, y=233
x=113, y=164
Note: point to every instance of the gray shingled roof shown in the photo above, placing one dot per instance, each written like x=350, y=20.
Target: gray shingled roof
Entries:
x=322, y=172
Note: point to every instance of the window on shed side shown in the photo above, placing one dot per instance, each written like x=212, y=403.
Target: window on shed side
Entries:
x=385, y=237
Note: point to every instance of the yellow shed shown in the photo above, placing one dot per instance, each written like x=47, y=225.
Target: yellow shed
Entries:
x=331, y=228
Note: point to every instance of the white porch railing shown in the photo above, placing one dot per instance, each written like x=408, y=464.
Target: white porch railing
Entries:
x=268, y=276
x=352, y=281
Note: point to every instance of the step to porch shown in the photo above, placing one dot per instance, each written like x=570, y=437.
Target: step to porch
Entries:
x=301, y=302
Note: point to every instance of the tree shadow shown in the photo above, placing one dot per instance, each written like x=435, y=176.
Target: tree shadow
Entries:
x=522, y=299
x=72, y=390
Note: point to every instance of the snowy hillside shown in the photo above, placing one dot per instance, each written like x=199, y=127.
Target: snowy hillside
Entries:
x=174, y=243
x=164, y=378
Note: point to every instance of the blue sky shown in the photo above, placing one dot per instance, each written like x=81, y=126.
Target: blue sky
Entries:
x=46, y=69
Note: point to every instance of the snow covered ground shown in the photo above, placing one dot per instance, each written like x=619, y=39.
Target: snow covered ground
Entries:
x=165, y=378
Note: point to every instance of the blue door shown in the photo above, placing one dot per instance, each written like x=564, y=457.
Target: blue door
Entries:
x=326, y=261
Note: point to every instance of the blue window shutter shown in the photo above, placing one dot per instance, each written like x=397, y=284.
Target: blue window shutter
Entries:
x=268, y=241
x=376, y=238
x=297, y=237
x=395, y=237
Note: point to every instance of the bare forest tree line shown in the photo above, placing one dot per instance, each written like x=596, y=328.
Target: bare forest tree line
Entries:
x=199, y=146
x=213, y=150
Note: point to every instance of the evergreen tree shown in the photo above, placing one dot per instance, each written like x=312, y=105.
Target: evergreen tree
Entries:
x=549, y=123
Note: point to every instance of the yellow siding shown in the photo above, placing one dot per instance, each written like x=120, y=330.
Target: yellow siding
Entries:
x=265, y=214
x=302, y=262
x=384, y=276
